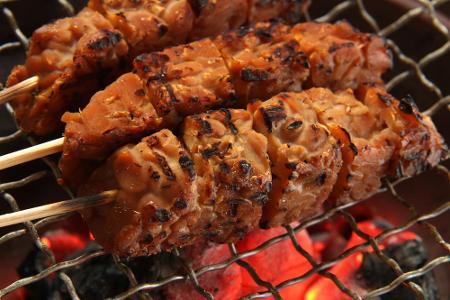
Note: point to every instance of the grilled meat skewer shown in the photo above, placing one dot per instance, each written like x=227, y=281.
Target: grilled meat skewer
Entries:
x=75, y=57
x=231, y=70
x=232, y=169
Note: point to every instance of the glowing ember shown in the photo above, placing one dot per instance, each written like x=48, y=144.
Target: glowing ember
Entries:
x=63, y=243
x=360, y=272
x=277, y=263
x=346, y=270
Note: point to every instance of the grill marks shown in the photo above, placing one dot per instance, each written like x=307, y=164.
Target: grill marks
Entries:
x=273, y=114
x=254, y=75
x=165, y=167
x=110, y=38
x=211, y=151
x=187, y=164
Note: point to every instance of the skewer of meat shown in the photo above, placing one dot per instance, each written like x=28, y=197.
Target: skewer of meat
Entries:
x=231, y=170
x=75, y=57
x=231, y=70
x=277, y=162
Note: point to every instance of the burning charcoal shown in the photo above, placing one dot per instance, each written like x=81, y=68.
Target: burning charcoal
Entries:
x=100, y=278
x=275, y=264
x=35, y=262
x=97, y=278
x=410, y=255
x=365, y=271
x=61, y=242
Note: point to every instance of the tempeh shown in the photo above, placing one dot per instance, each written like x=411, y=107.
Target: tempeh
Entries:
x=230, y=70
x=231, y=170
x=76, y=56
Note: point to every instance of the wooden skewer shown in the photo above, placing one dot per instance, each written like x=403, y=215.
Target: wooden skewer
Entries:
x=31, y=153
x=10, y=93
x=58, y=208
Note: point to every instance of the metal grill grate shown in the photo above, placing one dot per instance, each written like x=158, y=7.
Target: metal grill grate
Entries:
x=413, y=70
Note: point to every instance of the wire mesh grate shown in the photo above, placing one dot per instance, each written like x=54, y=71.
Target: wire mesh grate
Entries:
x=414, y=70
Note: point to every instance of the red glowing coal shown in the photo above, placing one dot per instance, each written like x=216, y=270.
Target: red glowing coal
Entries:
x=275, y=264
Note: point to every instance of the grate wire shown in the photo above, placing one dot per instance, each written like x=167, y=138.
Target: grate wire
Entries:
x=424, y=8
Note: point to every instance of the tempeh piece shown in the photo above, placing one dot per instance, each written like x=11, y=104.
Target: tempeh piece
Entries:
x=233, y=171
x=149, y=25
x=64, y=55
x=234, y=13
x=362, y=136
x=170, y=196
x=340, y=56
x=305, y=157
x=185, y=80
x=420, y=146
x=157, y=199
x=263, y=61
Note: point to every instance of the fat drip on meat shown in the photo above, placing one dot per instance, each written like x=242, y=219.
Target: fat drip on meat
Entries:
x=277, y=162
x=76, y=56
x=228, y=71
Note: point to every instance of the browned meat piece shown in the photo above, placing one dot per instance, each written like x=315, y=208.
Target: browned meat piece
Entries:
x=341, y=57
x=185, y=80
x=126, y=110
x=252, y=63
x=420, y=146
x=232, y=13
x=64, y=55
x=157, y=200
x=173, y=197
x=290, y=10
x=218, y=187
x=148, y=25
x=74, y=57
x=235, y=13
x=386, y=136
x=370, y=144
x=264, y=60
x=233, y=171
x=305, y=157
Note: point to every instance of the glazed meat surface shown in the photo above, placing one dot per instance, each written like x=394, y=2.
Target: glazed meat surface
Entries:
x=75, y=57
x=420, y=146
x=231, y=70
x=341, y=57
x=169, y=195
x=305, y=157
x=64, y=55
x=277, y=162
x=233, y=170
x=367, y=145
x=149, y=25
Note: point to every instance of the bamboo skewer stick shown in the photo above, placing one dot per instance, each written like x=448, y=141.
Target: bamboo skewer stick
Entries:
x=10, y=93
x=57, y=208
x=31, y=153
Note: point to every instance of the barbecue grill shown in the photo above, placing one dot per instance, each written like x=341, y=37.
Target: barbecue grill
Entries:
x=418, y=35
